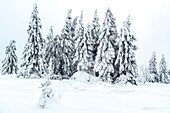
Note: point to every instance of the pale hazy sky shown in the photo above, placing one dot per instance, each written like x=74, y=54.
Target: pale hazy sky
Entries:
x=150, y=21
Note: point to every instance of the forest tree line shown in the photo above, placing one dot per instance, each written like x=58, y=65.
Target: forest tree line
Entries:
x=98, y=50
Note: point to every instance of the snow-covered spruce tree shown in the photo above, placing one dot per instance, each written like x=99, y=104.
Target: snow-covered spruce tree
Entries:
x=90, y=44
x=47, y=93
x=9, y=64
x=53, y=57
x=114, y=38
x=126, y=55
x=153, y=75
x=106, y=54
x=109, y=29
x=73, y=35
x=79, y=42
x=32, y=55
x=67, y=44
x=163, y=73
x=48, y=51
x=86, y=61
x=92, y=36
x=95, y=33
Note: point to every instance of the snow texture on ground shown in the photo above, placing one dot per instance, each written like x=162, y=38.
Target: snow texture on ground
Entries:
x=71, y=96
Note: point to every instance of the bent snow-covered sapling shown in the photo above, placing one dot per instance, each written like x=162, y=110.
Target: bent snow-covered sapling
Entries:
x=47, y=93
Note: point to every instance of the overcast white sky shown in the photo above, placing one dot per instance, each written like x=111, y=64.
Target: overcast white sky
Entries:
x=150, y=21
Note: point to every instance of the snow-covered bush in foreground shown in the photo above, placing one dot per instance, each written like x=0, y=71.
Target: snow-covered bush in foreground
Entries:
x=82, y=76
x=47, y=93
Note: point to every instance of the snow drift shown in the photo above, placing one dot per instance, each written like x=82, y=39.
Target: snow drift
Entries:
x=82, y=76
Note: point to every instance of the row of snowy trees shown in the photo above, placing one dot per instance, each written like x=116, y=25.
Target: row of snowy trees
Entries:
x=153, y=75
x=100, y=51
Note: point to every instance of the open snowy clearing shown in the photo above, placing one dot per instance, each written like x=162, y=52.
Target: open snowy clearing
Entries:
x=22, y=96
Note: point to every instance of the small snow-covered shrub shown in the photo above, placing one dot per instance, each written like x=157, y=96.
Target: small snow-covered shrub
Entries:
x=65, y=77
x=82, y=76
x=124, y=79
x=56, y=77
x=47, y=93
x=59, y=77
x=143, y=74
x=121, y=80
x=141, y=79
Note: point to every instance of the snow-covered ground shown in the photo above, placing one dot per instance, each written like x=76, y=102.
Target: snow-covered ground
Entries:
x=71, y=96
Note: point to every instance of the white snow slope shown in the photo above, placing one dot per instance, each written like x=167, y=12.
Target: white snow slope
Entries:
x=22, y=95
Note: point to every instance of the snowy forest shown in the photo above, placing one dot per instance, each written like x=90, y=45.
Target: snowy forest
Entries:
x=90, y=69
x=99, y=50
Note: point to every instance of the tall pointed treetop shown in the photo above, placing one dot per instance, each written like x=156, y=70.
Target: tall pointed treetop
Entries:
x=127, y=23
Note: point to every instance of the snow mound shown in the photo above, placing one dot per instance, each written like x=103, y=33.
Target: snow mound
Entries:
x=82, y=76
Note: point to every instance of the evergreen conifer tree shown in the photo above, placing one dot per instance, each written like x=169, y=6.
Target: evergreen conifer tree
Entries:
x=32, y=55
x=86, y=62
x=9, y=65
x=104, y=63
x=163, y=73
x=153, y=75
x=90, y=44
x=109, y=27
x=53, y=56
x=48, y=51
x=67, y=44
x=79, y=42
x=95, y=33
x=91, y=41
x=126, y=55
x=73, y=35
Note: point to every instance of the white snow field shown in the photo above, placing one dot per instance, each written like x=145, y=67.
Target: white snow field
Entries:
x=73, y=96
